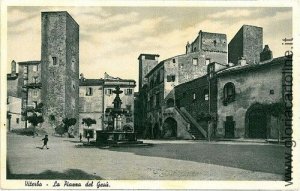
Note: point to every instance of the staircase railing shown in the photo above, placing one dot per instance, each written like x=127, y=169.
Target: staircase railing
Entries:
x=190, y=118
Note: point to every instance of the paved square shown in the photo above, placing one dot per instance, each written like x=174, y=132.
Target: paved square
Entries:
x=165, y=160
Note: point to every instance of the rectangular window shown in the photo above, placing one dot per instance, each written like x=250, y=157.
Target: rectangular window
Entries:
x=108, y=91
x=25, y=69
x=174, y=61
x=271, y=92
x=194, y=96
x=195, y=61
x=171, y=78
x=17, y=120
x=128, y=92
x=35, y=68
x=89, y=91
x=207, y=61
x=211, y=70
x=54, y=60
x=128, y=107
x=34, y=93
x=206, y=97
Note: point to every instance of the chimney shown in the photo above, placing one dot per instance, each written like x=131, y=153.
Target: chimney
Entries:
x=188, y=48
x=242, y=61
x=13, y=68
x=266, y=54
x=82, y=77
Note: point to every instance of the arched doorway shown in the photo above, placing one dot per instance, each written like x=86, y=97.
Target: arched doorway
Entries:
x=170, y=128
x=256, y=122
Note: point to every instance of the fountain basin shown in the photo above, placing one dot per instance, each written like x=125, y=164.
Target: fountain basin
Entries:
x=116, y=137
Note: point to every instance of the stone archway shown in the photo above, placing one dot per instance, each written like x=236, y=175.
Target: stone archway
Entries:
x=256, y=122
x=170, y=128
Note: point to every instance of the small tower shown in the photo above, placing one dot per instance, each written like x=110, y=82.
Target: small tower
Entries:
x=13, y=68
x=188, y=48
x=266, y=54
x=146, y=63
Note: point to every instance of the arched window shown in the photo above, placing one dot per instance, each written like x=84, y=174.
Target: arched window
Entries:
x=229, y=93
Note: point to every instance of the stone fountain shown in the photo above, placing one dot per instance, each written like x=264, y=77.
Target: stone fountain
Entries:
x=116, y=135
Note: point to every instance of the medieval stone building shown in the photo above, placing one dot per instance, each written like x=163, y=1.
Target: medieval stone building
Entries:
x=54, y=82
x=60, y=66
x=247, y=43
x=219, y=99
x=157, y=95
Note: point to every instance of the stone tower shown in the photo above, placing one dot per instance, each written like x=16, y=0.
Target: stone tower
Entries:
x=146, y=63
x=60, y=67
x=247, y=43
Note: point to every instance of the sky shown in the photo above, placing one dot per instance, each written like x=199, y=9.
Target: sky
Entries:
x=112, y=38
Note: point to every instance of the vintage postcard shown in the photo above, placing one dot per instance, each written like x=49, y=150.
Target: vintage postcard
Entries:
x=150, y=95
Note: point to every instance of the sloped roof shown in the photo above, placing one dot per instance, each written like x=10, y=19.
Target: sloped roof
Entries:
x=249, y=67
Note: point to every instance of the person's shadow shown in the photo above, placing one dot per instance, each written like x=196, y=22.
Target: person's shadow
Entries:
x=39, y=147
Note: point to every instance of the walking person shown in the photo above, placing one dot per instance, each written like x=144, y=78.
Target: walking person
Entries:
x=45, y=139
x=80, y=137
x=88, y=137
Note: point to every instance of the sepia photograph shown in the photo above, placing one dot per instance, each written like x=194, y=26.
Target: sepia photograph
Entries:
x=98, y=94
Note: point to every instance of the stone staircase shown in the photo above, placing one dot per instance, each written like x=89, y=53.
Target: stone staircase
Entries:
x=196, y=131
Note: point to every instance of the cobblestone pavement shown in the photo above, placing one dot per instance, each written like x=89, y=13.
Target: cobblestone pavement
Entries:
x=164, y=160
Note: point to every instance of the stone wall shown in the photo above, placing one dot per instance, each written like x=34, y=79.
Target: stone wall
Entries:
x=253, y=43
x=91, y=106
x=191, y=95
x=14, y=105
x=146, y=63
x=235, y=47
x=261, y=85
x=209, y=42
x=248, y=42
x=213, y=42
x=72, y=70
x=12, y=87
x=60, y=66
